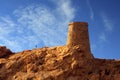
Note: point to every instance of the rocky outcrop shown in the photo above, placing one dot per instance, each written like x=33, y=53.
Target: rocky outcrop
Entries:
x=4, y=52
x=57, y=63
x=69, y=62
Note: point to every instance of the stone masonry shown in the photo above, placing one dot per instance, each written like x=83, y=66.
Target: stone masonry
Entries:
x=78, y=35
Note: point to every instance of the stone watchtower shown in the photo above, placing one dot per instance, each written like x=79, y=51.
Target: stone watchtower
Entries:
x=78, y=35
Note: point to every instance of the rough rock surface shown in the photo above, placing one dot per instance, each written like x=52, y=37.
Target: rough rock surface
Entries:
x=58, y=63
x=4, y=52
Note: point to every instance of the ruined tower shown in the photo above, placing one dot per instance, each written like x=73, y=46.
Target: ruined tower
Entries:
x=78, y=35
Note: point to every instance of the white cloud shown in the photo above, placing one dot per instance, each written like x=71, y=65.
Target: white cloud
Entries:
x=66, y=9
x=107, y=29
x=108, y=24
x=6, y=25
x=102, y=37
x=36, y=24
x=91, y=10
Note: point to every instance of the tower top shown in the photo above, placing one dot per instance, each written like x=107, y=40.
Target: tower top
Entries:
x=78, y=23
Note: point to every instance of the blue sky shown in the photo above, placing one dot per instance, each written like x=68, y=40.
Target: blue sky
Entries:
x=26, y=23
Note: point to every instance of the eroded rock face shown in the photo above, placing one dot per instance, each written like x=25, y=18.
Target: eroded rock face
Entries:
x=57, y=63
x=69, y=62
x=4, y=52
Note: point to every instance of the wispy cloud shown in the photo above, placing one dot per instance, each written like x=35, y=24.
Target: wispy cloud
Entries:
x=102, y=37
x=107, y=27
x=36, y=24
x=108, y=24
x=91, y=10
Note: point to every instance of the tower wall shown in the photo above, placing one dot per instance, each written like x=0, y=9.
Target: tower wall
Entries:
x=78, y=35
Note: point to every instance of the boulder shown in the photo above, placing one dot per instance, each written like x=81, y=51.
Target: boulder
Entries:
x=4, y=52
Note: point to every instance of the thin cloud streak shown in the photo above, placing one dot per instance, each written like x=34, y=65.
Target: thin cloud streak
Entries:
x=108, y=24
x=102, y=37
x=91, y=10
x=107, y=29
